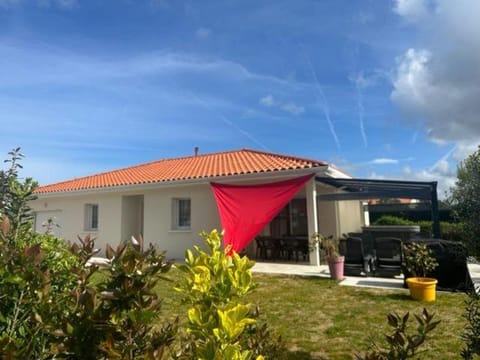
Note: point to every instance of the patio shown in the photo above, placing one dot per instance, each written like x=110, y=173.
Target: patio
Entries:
x=360, y=281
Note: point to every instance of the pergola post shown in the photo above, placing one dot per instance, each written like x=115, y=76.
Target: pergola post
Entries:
x=435, y=215
x=312, y=212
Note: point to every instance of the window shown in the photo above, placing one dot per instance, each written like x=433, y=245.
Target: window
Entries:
x=298, y=217
x=181, y=214
x=91, y=217
x=291, y=220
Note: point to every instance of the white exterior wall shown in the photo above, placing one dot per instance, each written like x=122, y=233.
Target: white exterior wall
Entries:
x=327, y=214
x=339, y=217
x=351, y=218
x=158, y=218
x=72, y=220
x=114, y=225
x=119, y=215
x=42, y=218
x=131, y=217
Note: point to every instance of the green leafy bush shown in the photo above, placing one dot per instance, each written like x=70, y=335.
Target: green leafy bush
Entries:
x=471, y=336
x=465, y=199
x=22, y=282
x=219, y=325
x=24, y=273
x=449, y=231
x=114, y=318
x=133, y=308
x=418, y=259
x=14, y=195
x=392, y=220
x=400, y=344
x=50, y=304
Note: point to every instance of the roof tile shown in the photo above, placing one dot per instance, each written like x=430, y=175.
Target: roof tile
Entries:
x=212, y=165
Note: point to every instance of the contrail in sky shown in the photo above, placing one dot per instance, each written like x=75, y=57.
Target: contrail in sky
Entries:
x=227, y=121
x=322, y=99
x=443, y=158
x=361, y=111
x=414, y=137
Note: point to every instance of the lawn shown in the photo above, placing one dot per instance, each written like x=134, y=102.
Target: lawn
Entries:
x=319, y=319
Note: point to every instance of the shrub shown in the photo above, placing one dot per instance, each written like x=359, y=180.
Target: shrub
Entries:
x=25, y=276
x=132, y=305
x=14, y=195
x=471, y=335
x=219, y=325
x=454, y=231
x=22, y=284
x=449, y=231
x=465, y=199
x=401, y=344
x=393, y=220
x=418, y=259
x=50, y=304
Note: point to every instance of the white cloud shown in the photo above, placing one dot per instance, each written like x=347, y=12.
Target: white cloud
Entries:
x=376, y=176
x=267, y=101
x=203, y=33
x=293, y=109
x=464, y=149
x=33, y=65
x=445, y=180
x=383, y=161
x=412, y=10
x=441, y=171
x=411, y=85
x=437, y=83
x=290, y=107
x=443, y=167
x=362, y=81
x=387, y=161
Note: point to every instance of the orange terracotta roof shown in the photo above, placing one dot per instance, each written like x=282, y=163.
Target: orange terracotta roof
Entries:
x=227, y=163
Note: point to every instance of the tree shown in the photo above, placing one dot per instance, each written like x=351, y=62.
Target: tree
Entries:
x=465, y=199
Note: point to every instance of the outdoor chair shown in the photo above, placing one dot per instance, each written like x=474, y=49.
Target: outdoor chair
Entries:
x=292, y=247
x=267, y=248
x=287, y=248
x=388, y=256
x=301, y=249
x=261, y=251
x=356, y=261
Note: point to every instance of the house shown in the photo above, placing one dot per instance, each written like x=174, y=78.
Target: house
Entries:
x=171, y=201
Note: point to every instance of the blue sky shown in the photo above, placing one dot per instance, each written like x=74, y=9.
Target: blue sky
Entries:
x=381, y=89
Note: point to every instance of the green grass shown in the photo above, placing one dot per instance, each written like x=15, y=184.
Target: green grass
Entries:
x=319, y=319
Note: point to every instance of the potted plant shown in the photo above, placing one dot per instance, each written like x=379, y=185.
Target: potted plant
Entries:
x=335, y=261
x=418, y=263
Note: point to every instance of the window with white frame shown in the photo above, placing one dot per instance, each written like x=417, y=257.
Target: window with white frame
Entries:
x=91, y=217
x=181, y=214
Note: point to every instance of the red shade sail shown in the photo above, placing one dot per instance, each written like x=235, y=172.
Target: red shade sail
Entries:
x=245, y=209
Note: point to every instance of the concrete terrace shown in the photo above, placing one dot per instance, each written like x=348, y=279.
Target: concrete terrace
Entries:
x=362, y=281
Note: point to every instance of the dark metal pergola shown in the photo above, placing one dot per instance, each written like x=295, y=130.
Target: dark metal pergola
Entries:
x=362, y=189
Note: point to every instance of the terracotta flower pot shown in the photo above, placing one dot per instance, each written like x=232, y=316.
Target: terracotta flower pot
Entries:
x=422, y=288
x=335, y=265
